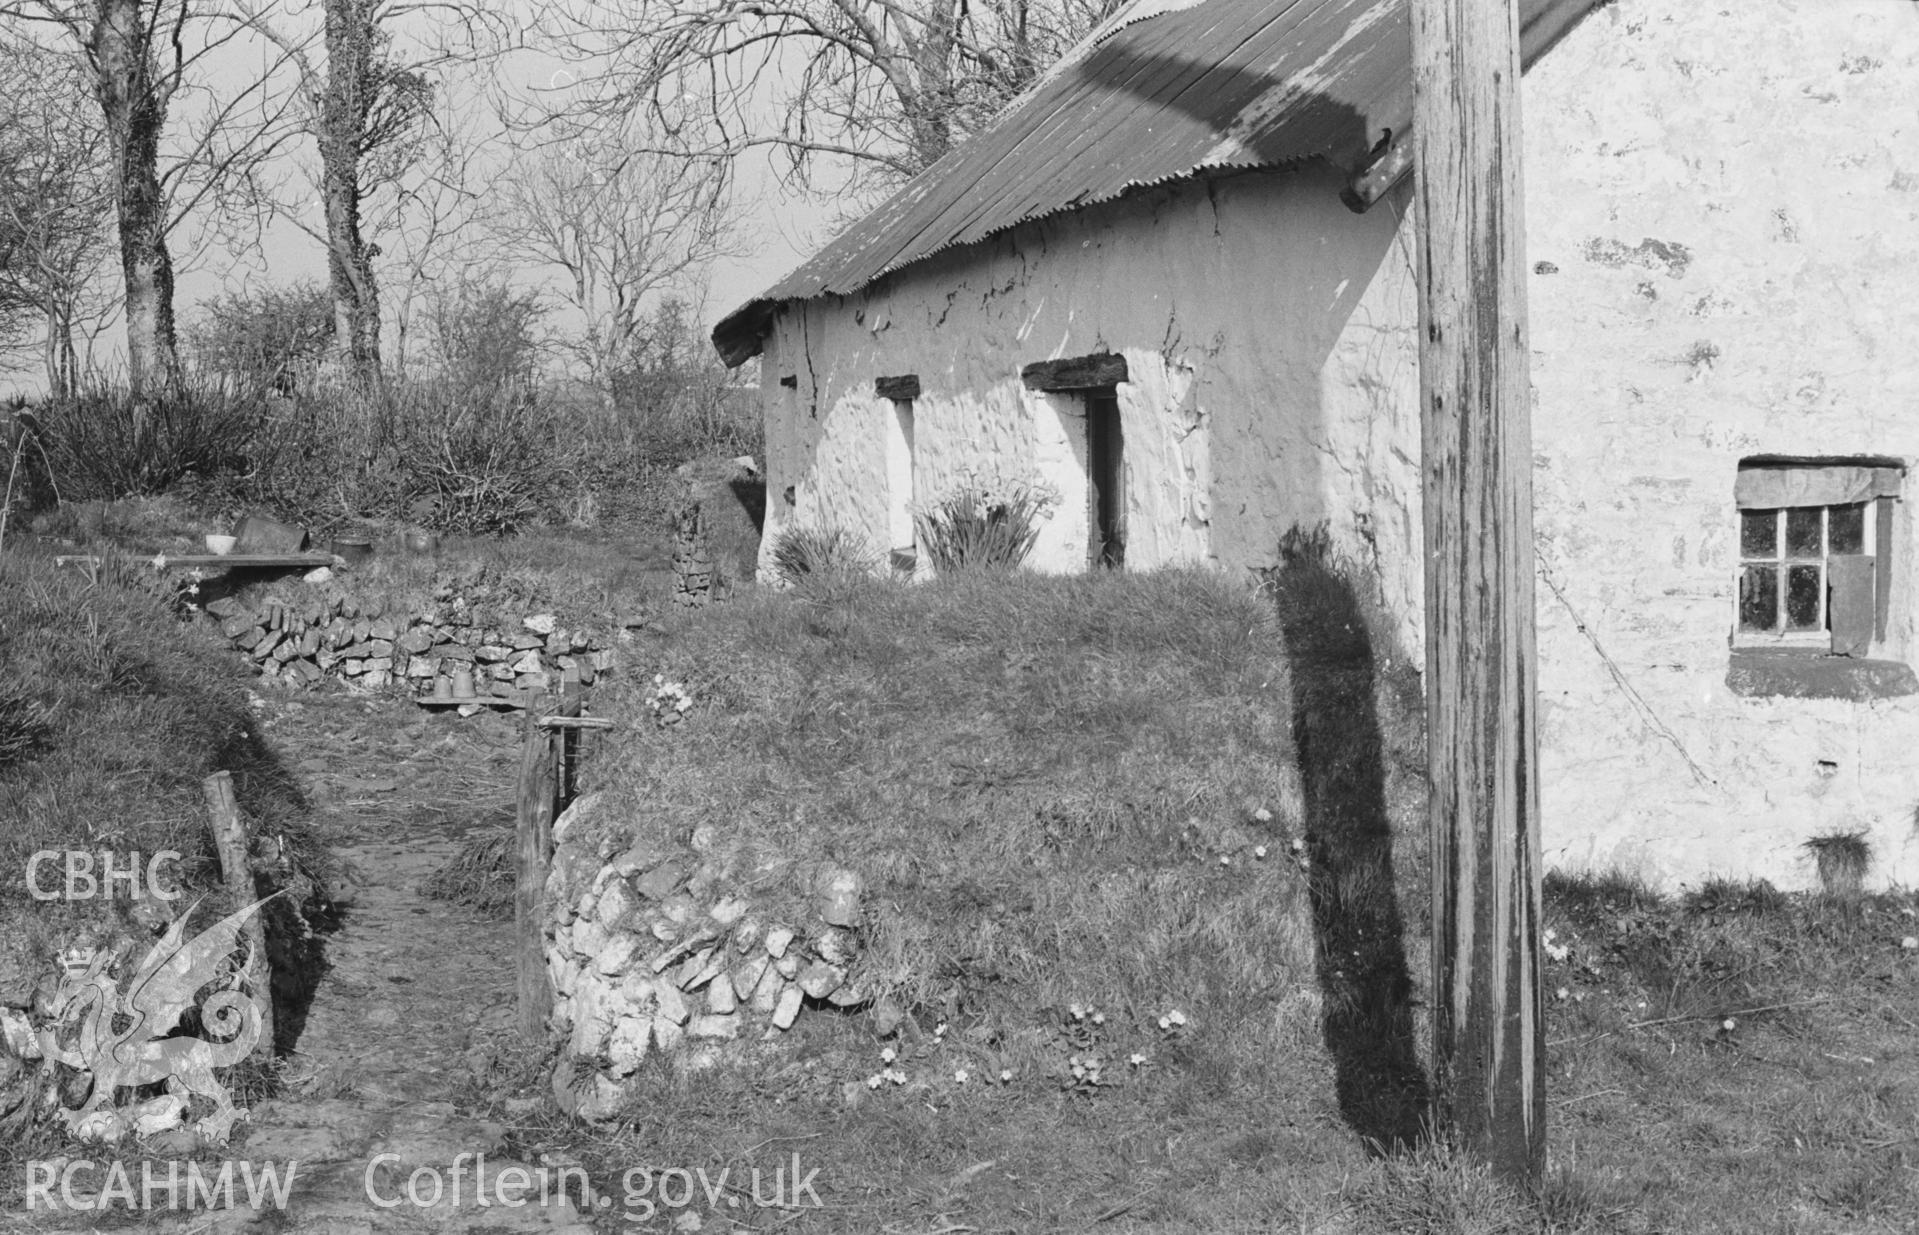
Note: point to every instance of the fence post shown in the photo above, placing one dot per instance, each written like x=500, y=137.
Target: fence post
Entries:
x=230, y=841
x=534, y=833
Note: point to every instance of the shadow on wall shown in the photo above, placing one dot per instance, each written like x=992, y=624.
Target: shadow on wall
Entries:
x=1364, y=980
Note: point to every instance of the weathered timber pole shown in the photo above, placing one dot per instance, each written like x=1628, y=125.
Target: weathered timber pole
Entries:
x=1475, y=408
x=533, y=844
x=236, y=865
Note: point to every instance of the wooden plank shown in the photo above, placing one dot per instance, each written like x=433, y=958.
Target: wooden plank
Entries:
x=575, y=722
x=905, y=386
x=230, y=841
x=166, y=560
x=1481, y=671
x=1076, y=372
x=534, y=831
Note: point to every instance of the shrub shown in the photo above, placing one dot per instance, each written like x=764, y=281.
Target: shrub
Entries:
x=982, y=525
x=270, y=338
x=486, y=338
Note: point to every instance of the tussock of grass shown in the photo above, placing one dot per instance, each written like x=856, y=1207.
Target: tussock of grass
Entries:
x=806, y=553
x=1842, y=859
x=1434, y=1190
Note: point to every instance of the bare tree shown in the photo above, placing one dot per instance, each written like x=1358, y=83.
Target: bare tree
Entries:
x=621, y=224
x=142, y=57
x=368, y=111
x=884, y=86
x=55, y=210
x=430, y=223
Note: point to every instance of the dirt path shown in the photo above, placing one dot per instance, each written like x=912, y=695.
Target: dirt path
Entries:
x=371, y=1126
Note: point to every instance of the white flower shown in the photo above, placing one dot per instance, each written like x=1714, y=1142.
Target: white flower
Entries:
x=1136, y=1059
x=1165, y=1022
x=1299, y=846
x=1224, y=860
x=1263, y=815
x=873, y=1081
x=1176, y=1016
x=888, y=1055
x=1909, y=943
x=959, y=1077
x=1078, y=1013
x=1729, y=1025
x=1259, y=851
x=1005, y=1076
x=1099, y=1018
x=939, y=1030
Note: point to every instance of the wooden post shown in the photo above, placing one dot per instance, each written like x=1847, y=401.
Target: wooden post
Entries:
x=538, y=788
x=567, y=738
x=230, y=841
x=1475, y=408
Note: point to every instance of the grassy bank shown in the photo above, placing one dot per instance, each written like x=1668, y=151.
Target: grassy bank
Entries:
x=1133, y=861
x=1059, y=791
x=112, y=712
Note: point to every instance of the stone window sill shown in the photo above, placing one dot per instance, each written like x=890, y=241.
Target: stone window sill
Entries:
x=1807, y=673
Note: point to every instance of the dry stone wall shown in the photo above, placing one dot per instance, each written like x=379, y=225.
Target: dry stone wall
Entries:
x=658, y=949
x=306, y=640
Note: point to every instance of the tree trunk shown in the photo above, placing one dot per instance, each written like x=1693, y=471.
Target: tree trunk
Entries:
x=135, y=113
x=342, y=139
x=1475, y=396
x=63, y=366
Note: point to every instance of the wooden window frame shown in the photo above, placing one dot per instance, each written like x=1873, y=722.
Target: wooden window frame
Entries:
x=1782, y=560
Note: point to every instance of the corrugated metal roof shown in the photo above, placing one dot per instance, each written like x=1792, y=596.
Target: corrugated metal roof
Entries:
x=1163, y=90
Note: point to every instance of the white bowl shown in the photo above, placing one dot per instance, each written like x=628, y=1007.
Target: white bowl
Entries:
x=221, y=544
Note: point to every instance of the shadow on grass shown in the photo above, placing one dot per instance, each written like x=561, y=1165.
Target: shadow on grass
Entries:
x=1364, y=980
x=299, y=919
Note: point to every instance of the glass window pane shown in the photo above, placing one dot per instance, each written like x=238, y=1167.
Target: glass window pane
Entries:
x=1759, y=598
x=1846, y=529
x=1758, y=533
x=1803, y=585
x=1802, y=531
